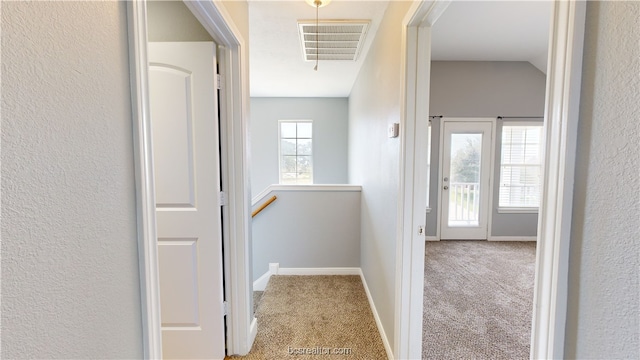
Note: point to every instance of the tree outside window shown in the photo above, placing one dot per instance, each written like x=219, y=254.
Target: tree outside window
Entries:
x=296, y=151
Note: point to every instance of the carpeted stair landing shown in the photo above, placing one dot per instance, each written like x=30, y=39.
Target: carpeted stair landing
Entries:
x=328, y=315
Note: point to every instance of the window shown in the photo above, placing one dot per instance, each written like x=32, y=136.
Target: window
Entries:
x=520, y=165
x=296, y=163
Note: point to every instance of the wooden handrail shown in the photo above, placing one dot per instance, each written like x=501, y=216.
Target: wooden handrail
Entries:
x=263, y=206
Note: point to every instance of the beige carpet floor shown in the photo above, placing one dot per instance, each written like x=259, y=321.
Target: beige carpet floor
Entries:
x=305, y=317
x=257, y=296
x=478, y=299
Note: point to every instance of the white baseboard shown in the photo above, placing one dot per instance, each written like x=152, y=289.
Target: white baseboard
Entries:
x=383, y=335
x=319, y=271
x=274, y=269
x=261, y=283
x=253, y=330
x=513, y=238
x=495, y=238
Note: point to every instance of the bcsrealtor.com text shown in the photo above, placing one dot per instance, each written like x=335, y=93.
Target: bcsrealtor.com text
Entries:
x=318, y=350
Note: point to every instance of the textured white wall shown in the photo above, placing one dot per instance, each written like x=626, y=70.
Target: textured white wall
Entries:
x=373, y=159
x=239, y=12
x=69, y=256
x=604, y=293
x=330, y=126
x=173, y=21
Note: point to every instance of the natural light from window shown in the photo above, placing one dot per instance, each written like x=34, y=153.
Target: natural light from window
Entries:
x=296, y=144
x=520, y=165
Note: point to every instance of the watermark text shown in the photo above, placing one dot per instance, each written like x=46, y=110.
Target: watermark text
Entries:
x=318, y=350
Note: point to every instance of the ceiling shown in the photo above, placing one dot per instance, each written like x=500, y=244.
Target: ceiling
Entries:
x=468, y=30
x=493, y=31
x=277, y=65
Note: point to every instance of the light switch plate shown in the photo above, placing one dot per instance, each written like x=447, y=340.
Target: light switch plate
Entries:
x=394, y=130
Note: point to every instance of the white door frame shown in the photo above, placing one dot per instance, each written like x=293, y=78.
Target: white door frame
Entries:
x=554, y=225
x=232, y=57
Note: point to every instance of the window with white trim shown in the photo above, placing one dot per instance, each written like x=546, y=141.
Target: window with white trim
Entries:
x=520, y=165
x=296, y=145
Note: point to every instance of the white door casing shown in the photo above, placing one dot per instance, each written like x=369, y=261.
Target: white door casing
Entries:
x=561, y=119
x=234, y=107
x=184, y=123
x=465, y=218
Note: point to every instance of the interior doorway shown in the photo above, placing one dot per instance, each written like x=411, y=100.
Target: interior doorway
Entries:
x=215, y=23
x=560, y=129
x=465, y=179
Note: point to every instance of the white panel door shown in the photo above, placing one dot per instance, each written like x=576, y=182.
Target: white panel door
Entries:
x=184, y=121
x=466, y=156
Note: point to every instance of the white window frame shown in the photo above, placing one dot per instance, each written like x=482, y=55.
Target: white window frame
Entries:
x=280, y=122
x=519, y=209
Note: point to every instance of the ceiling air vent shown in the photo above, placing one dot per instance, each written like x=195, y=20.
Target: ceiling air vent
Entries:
x=336, y=39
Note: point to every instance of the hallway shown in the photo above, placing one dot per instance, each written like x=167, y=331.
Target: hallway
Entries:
x=315, y=315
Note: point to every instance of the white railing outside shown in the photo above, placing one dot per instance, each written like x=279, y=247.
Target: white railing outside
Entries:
x=464, y=204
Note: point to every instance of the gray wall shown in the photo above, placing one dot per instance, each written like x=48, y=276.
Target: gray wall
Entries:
x=484, y=89
x=604, y=294
x=173, y=21
x=69, y=251
x=373, y=160
x=330, y=128
x=308, y=229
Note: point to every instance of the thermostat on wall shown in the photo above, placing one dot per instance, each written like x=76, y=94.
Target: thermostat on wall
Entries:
x=394, y=130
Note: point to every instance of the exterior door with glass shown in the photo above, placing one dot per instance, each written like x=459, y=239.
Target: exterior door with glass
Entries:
x=464, y=180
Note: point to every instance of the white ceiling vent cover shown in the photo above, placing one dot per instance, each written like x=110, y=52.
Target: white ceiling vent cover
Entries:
x=337, y=39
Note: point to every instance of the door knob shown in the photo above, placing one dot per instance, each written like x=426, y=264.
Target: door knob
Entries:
x=446, y=179
x=446, y=187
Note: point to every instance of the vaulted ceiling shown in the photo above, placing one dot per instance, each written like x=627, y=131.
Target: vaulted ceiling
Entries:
x=493, y=31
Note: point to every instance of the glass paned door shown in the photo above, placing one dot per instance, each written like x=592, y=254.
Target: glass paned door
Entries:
x=465, y=179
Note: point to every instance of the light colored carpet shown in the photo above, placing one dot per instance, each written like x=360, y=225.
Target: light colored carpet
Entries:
x=257, y=296
x=478, y=299
x=322, y=314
